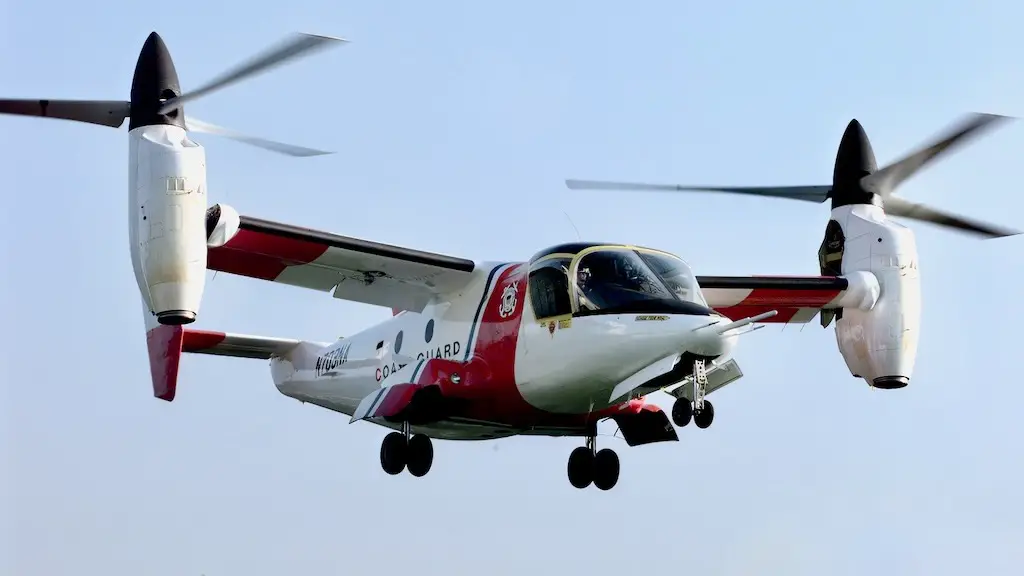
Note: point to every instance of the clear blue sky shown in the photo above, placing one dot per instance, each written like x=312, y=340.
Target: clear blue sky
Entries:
x=455, y=124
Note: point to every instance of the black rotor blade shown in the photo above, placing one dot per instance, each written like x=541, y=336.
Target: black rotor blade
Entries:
x=103, y=112
x=895, y=206
x=299, y=45
x=884, y=181
x=805, y=193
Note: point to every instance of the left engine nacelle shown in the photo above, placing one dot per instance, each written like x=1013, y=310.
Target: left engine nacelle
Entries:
x=879, y=344
x=167, y=203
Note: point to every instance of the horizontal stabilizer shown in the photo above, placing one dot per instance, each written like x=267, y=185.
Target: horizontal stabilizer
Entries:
x=167, y=343
x=237, y=345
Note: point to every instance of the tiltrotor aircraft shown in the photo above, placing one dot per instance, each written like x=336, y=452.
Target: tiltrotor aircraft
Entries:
x=549, y=345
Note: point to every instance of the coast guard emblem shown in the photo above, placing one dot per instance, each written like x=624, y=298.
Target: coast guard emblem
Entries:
x=508, y=300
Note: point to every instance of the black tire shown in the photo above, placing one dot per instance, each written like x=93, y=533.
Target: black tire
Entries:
x=581, y=467
x=606, y=469
x=393, y=453
x=705, y=416
x=682, y=412
x=420, y=455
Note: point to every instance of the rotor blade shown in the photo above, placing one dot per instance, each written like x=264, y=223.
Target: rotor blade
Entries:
x=196, y=125
x=103, y=112
x=896, y=206
x=806, y=193
x=888, y=178
x=300, y=44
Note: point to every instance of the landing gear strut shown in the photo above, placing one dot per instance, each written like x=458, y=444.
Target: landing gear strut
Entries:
x=401, y=450
x=589, y=465
x=700, y=410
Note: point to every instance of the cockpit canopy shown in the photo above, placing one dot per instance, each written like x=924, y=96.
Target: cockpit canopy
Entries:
x=585, y=279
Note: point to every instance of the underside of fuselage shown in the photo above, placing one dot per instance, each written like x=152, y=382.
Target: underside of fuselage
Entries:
x=453, y=428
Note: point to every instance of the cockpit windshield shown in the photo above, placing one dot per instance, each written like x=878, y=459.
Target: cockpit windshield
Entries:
x=622, y=280
x=676, y=275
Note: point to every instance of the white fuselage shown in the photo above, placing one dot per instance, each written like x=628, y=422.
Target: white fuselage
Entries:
x=565, y=366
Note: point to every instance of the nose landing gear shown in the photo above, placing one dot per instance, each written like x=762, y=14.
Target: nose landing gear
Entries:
x=405, y=450
x=588, y=465
x=700, y=410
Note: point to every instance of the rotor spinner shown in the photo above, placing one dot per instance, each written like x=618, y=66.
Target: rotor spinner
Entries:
x=854, y=160
x=155, y=82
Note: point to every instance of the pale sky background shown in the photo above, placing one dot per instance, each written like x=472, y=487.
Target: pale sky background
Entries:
x=455, y=125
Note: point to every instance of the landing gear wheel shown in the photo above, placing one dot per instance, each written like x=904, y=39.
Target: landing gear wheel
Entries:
x=393, y=453
x=682, y=412
x=581, y=467
x=420, y=455
x=606, y=469
x=703, y=417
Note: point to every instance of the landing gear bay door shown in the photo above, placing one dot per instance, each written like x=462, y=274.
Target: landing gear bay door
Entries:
x=718, y=376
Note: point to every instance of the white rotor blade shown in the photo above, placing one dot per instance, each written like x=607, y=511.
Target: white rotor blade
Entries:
x=301, y=44
x=896, y=206
x=806, y=193
x=885, y=180
x=195, y=125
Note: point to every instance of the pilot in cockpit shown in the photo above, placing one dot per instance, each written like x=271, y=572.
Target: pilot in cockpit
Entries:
x=602, y=272
x=583, y=283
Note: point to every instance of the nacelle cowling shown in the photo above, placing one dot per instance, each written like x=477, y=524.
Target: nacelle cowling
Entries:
x=879, y=344
x=167, y=203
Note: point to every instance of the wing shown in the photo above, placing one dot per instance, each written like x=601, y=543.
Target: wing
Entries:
x=798, y=299
x=357, y=270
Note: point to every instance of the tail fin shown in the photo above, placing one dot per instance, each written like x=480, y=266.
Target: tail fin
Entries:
x=166, y=344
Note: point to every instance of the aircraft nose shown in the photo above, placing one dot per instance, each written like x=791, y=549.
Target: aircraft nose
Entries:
x=707, y=341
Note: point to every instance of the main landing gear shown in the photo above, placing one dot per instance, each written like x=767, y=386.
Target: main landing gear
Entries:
x=401, y=450
x=589, y=465
x=700, y=410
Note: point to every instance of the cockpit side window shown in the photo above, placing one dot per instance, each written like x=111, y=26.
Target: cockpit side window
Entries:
x=549, y=288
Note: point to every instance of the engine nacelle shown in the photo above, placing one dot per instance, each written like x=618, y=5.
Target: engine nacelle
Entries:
x=167, y=203
x=878, y=344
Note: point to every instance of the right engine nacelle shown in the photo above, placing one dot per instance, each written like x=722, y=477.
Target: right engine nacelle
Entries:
x=880, y=344
x=167, y=203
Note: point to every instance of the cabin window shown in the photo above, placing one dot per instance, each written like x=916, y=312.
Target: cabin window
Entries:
x=398, y=342
x=428, y=333
x=549, y=288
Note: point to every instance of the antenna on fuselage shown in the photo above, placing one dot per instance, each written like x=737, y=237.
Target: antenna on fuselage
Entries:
x=578, y=239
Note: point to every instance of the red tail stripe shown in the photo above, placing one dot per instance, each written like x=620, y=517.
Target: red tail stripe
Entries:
x=164, y=344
